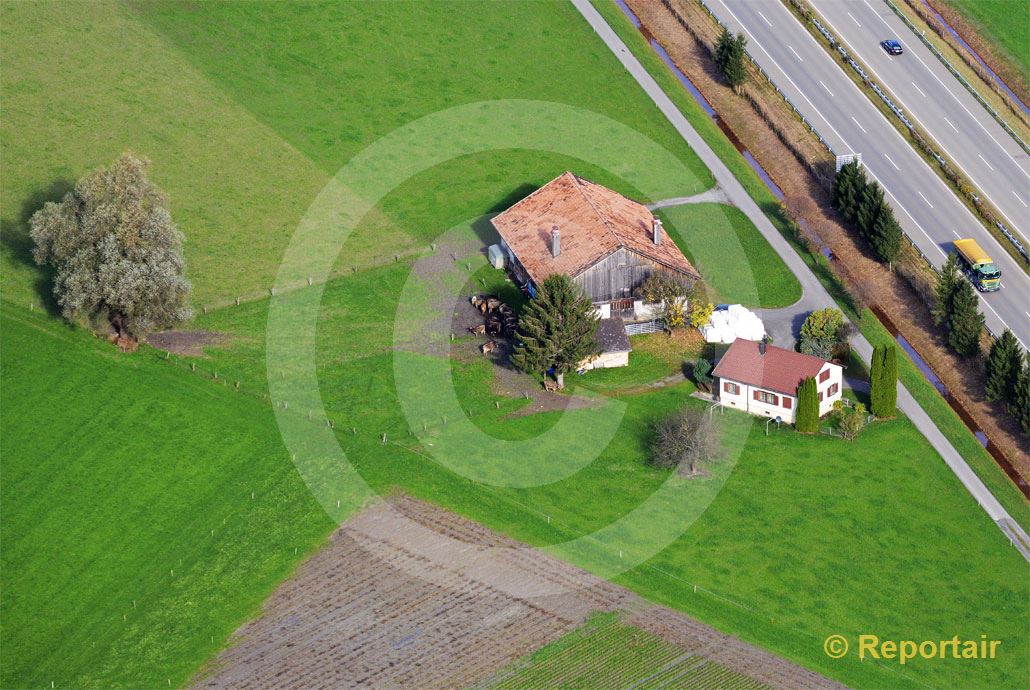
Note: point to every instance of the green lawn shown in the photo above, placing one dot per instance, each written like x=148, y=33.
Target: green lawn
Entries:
x=715, y=236
x=247, y=109
x=131, y=545
x=606, y=653
x=1006, y=22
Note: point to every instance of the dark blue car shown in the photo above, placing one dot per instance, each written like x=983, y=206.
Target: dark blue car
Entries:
x=892, y=47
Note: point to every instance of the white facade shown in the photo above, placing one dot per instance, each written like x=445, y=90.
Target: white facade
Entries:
x=769, y=403
x=606, y=360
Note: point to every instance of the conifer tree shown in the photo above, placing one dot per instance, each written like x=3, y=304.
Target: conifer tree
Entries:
x=1003, y=365
x=557, y=330
x=885, y=236
x=870, y=206
x=1019, y=407
x=806, y=419
x=883, y=381
x=947, y=283
x=844, y=194
x=730, y=58
x=965, y=322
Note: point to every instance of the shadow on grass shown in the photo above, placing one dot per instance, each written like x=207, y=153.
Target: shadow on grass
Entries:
x=14, y=237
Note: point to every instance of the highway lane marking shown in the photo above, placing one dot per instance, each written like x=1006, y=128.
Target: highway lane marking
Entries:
x=859, y=125
x=919, y=89
x=956, y=234
x=952, y=126
x=800, y=59
x=764, y=18
x=985, y=161
x=925, y=199
x=827, y=88
x=1019, y=197
x=854, y=20
x=892, y=162
x=901, y=206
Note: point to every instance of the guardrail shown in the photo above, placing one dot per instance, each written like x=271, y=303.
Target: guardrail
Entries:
x=962, y=80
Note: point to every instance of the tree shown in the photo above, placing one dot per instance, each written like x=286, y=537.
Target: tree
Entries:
x=850, y=419
x=1019, y=407
x=687, y=439
x=1003, y=365
x=557, y=330
x=965, y=322
x=816, y=347
x=885, y=236
x=806, y=419
x=730, y=58
x=883, y=381
x=947, y=283
x=823, y=331
x=115, y=251
x=848, y=185
x=703, y=373
x=671, y=291
x=870, y=206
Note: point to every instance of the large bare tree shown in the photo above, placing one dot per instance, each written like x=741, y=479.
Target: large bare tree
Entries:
x=115, y=251
x=687, y=439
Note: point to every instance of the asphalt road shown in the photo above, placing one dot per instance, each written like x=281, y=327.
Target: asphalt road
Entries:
x=814, y=295
x=929, y=212
x=935, y=100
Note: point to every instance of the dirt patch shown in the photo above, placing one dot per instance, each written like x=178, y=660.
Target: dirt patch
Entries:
x=807, y=199
x=410, y=595
x=188, y=343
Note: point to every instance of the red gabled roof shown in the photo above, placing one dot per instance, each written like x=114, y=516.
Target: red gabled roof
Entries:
x=593, y=221
x=777, y=370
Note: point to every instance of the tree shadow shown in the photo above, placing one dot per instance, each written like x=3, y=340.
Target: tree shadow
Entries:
x=14, y=237
x=513, y=197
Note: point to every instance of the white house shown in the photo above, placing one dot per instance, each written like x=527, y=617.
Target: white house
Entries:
x=763, y=379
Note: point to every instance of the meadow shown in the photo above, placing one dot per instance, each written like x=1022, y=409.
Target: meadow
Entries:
x=1005, y=21
x=130, y=522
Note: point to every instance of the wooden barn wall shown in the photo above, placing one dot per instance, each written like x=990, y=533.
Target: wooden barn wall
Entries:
x=616, y=276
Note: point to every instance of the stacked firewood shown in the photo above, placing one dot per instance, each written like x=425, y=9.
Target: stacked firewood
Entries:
x=500, y=319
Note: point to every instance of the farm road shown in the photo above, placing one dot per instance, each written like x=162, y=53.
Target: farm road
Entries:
x=815, y=294
x=410, y=595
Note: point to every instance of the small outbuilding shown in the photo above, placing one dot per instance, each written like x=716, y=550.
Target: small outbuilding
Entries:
x=615, y=347
x=763, y=379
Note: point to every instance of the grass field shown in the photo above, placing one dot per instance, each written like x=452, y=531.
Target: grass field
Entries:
x=1007, y=22
x=810, y=536
x=247, y=109
x=606, y=653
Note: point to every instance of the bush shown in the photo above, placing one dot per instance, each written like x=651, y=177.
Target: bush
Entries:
x=703, y=373
x=806, y=419
x=883, y=381
x=850, y=419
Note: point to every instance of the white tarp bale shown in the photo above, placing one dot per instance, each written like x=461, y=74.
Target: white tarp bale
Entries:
x=733, y=321
x=496, y=256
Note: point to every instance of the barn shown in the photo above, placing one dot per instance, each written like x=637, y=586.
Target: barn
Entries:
x=608, y=244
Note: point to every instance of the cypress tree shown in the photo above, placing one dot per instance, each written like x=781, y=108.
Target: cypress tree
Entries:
x=1003, y=365
x=1019, y=407
x=883, y=381
x=965, y=322
x=947, y=283
x=806, y=419
x=557, y=330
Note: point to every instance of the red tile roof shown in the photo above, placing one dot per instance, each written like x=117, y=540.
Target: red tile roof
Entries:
x=777, y=370
x=593, y=221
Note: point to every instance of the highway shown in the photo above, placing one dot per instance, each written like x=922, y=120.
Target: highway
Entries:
x=935, y=101
x=929, y=212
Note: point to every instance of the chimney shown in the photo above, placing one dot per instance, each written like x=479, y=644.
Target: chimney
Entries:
x=656, y=231
x=555, y=241
x=761, y=347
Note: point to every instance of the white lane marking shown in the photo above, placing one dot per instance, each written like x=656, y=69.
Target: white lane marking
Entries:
x=918, y=89
x=925, y=199
x=833, y=129
x=854, y=20
x=1019, y=197
x=985, y=161
x=956, y=234
x=892, y=162
x=952, y=126
x=764, y=18
x=800, y=59
x=859, y=125
x=827, y=88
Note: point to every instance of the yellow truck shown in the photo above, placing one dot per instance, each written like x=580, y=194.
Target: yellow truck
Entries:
x=978, y=266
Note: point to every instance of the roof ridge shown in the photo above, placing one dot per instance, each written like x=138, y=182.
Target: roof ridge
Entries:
x=604, y=219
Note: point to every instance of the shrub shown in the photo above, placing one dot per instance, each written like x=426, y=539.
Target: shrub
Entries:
x=850, y=419
x=806, y=419
x=687, y=439
x=883, y=381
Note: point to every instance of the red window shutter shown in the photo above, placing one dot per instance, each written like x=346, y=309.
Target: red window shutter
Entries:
x=787, y=403
x=774, y=400
x=727, y=387
x=823, y=376
x=758, y=396
x=820, y=396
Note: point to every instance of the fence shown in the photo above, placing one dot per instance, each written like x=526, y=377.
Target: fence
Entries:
x=652, y=326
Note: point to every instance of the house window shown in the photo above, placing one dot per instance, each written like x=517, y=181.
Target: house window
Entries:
x=832, y=390
x=823, y=376
x=731, y=388
x=787, y=403
x=767, y=398
x=820, y=396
